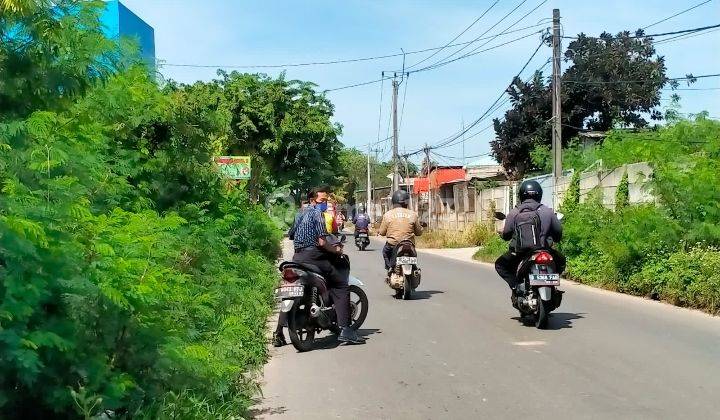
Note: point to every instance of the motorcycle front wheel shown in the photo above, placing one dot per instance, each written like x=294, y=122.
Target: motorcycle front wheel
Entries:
x=300, y=328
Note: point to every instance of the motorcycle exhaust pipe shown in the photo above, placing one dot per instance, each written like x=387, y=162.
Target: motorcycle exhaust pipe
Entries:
x=315, y=311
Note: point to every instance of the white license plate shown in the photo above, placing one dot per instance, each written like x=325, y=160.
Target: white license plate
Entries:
x=362, y=235
x=405, y=260
x=544, y=279
x=289, y=292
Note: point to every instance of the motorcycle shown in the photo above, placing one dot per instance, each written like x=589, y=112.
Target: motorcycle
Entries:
x=305, y=297
x=362, y=238
x=404, y=276
x=537, y=294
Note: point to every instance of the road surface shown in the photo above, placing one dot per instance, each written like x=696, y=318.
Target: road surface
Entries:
x=457, y=351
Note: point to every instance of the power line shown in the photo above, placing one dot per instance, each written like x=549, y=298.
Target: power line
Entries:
x=331, y=62
x=677, y=14
x=482, y=34
x=499, y=98
x=602, y=82
x=684, y=31
x=458, y=36
x=446, y=60
x=685, y=36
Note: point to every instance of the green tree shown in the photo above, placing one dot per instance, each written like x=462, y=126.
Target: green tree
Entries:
x=612, y=81
x=571, y=201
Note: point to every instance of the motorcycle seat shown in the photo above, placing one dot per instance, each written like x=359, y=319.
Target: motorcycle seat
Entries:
x=306, y=266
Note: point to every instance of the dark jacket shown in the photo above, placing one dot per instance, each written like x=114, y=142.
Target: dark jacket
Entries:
x=550, y=227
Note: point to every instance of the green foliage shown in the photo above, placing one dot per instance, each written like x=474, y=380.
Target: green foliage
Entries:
x=669, y=251
x=523, y=135
x=475, y=235
x=571, y=201
x=686, y=278
x=492, y=249
x=133, y=278
x=622, y=194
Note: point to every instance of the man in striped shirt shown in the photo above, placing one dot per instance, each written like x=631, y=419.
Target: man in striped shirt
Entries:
x=308, y=234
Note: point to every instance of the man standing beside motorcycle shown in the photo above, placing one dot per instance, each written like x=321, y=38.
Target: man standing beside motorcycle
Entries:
x=550, y=232
x=310, y=239
x=398, y=224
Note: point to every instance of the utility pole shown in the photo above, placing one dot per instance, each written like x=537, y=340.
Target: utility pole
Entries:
x=430, y=195
x=556, y=110
x=396, y=176
x=369, y=183
x=463, y=141
x=407, y=175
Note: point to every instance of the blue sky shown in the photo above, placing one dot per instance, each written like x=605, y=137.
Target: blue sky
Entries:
x=235, y=32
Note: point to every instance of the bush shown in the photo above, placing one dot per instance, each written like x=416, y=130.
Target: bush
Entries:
x=492, y=249
x=686, y=278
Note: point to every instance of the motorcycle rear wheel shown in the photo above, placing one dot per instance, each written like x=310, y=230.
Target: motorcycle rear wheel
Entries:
x=300, y=329
x=407, y=289
x=541, y=319
x=358, y=306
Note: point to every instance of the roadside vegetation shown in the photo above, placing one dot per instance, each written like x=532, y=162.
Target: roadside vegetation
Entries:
x=476, y=235
x=667, y=251
x=135, y=282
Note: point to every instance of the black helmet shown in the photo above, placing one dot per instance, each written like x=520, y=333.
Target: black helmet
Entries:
x=530, y=189
x=400, y=198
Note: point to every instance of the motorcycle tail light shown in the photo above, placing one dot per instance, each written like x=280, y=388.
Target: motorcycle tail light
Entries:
x=543, y=258
x=290, y=275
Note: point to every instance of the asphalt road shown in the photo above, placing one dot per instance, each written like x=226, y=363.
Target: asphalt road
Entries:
x=457, y=351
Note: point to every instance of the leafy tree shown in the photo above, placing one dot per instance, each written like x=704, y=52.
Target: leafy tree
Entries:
x=612, y=81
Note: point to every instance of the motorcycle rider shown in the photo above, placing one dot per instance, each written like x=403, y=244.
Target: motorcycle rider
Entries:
x=530, y=195
x=309, y=236
x=361, y=220
x=398, y=224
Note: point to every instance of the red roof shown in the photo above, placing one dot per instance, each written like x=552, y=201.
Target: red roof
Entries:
x=440, y=177
x=420, y=185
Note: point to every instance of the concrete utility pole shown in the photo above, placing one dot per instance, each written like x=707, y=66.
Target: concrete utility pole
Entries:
x=556, y=107
x=396, y=175
x=430, y=195
x=369, y=183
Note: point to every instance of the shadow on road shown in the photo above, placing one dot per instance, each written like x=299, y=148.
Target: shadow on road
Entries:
x=557, y=321
x=424, y=294
x=331, y=341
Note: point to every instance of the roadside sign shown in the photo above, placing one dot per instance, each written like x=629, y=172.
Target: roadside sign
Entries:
x=234, y=167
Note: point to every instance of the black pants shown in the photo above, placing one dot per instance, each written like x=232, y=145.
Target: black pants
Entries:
x=389, y=255
x=336, y=276
x=507, y=265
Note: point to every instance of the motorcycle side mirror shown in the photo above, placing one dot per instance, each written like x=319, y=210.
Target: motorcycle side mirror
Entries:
x=499, y=215
x=560, y=216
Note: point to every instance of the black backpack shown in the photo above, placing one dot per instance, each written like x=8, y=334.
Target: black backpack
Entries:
x=527, y=231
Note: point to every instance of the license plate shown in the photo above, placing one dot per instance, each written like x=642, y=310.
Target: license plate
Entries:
x=362, y=235
x=544, y=279
x=289, y=292
x=405, y=260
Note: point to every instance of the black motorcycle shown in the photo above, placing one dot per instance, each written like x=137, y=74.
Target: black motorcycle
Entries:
x=362, y=238
x=537, y=295
x=305, y=297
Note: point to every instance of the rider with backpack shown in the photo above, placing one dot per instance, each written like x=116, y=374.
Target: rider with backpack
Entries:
x=529, y=226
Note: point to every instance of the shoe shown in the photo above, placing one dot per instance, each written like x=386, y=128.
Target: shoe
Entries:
x=278, y=340
x=513, y=298
x=350, y=336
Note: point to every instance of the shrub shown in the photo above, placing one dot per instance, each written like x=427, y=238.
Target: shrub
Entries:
x=492, y=249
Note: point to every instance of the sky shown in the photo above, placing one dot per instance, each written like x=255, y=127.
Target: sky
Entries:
x=433, y=104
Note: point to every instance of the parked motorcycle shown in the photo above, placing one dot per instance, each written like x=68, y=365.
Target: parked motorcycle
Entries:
x=305, y=296
x=362, y=238
x=537, y=294
x=404, y=276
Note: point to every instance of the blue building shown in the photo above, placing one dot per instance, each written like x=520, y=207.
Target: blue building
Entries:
x=119, y=21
